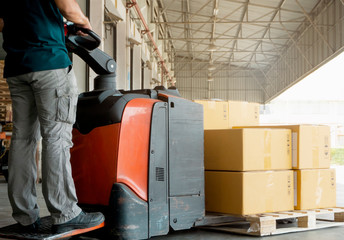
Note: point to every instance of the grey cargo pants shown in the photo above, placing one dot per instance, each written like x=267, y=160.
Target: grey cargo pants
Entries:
x=44, y=103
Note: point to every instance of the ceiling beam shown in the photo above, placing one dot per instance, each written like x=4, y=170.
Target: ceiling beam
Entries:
x=268, y=26
x=297, y=46
x=192, y=15
x=228, y=22
x=202, y=43
x=268, y=7
x=187, y=31
x=229, y=51
x=239, y=29
x=199, y=29
x=314, y=26
x=219, y=62
x=227, y=38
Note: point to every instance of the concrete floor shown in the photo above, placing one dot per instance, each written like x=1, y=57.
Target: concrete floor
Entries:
x=335, y=233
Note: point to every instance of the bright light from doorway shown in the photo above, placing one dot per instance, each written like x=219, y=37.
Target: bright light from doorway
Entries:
x=326, y=83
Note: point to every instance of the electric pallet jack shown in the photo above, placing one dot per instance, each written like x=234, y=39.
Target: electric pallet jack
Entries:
x=137, y=155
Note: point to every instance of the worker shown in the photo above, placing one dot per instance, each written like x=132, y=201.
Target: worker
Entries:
x=44, y=96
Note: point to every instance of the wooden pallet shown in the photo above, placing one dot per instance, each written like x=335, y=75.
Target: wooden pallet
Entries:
x=266, y=224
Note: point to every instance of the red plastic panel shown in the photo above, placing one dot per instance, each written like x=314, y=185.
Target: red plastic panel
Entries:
x=93, y=159
x=132, y=166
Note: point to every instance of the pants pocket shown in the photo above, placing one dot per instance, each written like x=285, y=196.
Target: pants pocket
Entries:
x=67, y=100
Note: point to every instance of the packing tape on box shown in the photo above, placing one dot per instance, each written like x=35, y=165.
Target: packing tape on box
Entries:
x=211, y=104
x=319, y=190
x=315, y=156
x=269, y=199
x=315, y=148
x=267, y=150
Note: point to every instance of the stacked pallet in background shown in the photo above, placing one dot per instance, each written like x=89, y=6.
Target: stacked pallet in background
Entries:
x=5, y=99
x=315, y=182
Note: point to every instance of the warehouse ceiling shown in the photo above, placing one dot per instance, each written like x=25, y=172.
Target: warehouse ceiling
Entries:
x=245, y=35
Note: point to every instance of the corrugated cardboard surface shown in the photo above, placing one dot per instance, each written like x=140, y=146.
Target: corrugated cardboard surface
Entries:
x=226, y=114
x=215, y=114
x=249, y=192
x=315, y=188
x=247, y=149
x=310, y=145
x=243, y=113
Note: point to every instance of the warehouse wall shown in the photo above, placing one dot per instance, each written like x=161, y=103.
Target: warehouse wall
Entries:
x=121, y=56
x=79, y=66
x=137, y=67
x=231, y=83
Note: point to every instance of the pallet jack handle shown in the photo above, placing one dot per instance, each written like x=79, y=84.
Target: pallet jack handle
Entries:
x=86, y=47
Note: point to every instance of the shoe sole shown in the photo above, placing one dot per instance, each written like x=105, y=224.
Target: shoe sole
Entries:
x=74, y=232
x=76, y=227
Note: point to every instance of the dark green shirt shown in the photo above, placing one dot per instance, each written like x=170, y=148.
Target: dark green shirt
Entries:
x=33, y=36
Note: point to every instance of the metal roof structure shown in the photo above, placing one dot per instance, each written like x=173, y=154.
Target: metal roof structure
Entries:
x=248, y=50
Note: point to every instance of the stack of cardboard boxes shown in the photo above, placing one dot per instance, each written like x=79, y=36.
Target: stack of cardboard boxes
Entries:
x=314, y=181
x=248, y=170
x=257, y=169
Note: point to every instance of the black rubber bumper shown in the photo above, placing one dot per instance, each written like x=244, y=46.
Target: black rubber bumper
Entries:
x=128, y=216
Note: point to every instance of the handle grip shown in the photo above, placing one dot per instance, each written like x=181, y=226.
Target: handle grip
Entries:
x=91, y=41
x=90, y=33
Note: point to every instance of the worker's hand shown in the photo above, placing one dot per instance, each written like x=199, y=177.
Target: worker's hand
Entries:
x=70, y=9
x=87, y=25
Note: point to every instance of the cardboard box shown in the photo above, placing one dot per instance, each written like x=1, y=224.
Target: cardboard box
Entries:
x=314, y=188
x=243, y=113
x=250, y=149
x=249, y=192
x=215, y=114
x=226, y=114
x=310, y=145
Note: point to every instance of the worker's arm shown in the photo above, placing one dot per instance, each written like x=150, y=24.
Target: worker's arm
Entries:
x=70, y=9
x=1, y=24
